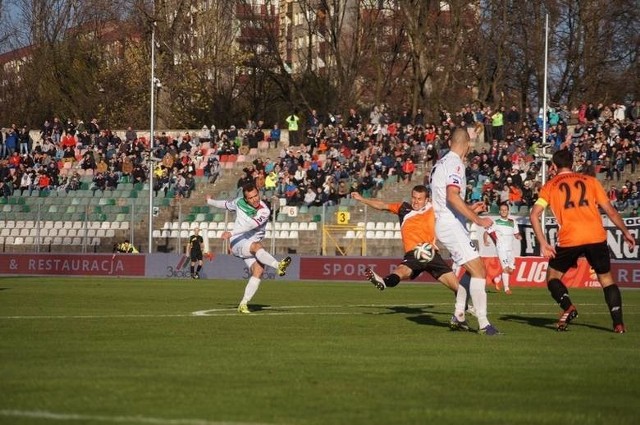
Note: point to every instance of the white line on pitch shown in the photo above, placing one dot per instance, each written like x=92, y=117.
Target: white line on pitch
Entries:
x=281, y=311
x=41, y=414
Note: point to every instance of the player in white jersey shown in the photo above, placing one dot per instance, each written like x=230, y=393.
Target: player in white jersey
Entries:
x=502, y=232
x=448, y=187
x=252, y=216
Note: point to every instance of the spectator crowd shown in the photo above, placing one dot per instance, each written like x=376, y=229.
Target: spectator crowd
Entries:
x=334, y=155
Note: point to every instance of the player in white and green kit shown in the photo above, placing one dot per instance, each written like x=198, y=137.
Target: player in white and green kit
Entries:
x=502, y=232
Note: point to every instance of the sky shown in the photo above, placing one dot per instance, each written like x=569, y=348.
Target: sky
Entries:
x=9, y=15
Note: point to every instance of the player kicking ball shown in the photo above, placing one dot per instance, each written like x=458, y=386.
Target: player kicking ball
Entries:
x=245, y=240
x=417, y=228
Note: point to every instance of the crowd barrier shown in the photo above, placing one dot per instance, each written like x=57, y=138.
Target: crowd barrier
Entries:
x=530, y=271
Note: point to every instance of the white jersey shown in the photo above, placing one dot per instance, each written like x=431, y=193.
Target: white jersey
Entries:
x=250, y=224
x=505, y=229
x=448, y=171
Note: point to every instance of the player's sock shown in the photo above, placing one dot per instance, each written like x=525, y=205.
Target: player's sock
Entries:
x=267, y=259
x=614, y=300
x=505, y=281
x=461, y=303
x=250, y=290
x=462, y=297
x=191, y=268
x=198, y=268
x=479, y=298
x=391, y=280
x=560, y=293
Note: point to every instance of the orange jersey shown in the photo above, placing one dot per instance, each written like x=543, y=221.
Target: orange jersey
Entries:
x=416, y=226
x=574, y=200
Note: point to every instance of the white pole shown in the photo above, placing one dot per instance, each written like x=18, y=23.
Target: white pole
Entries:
x=151, y=133
x=544, y=114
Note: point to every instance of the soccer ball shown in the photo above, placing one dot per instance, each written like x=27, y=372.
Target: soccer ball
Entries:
x=424, y=252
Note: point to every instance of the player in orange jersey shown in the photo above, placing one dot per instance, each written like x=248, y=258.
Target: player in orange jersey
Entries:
x=574, y=199
x=417, y=226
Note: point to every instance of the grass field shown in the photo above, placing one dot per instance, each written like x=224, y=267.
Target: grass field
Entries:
x=120, y=351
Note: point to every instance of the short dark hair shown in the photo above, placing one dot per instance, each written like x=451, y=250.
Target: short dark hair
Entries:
x=249, y=187
x=562, y=159
x=420, y=188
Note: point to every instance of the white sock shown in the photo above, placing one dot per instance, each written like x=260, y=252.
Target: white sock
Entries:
x=461, y=300
x=505, y=281
x=267, y=259
x=250, y=290
x=479, y=298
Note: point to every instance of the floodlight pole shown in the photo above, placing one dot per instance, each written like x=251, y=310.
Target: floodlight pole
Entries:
x=544, y=115
x=151, y=132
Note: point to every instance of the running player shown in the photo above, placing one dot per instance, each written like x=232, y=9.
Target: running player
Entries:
x=252, y=216
x=502, y=232
x=574, y=200
x=195, y=247
x=417, y=222
x=448, y=186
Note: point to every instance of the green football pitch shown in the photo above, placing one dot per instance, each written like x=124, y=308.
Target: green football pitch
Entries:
x=169, y=352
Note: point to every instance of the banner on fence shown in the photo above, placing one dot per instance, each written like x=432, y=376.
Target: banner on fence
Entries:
x=529, y=272
x=73, y=264
x=528, y=245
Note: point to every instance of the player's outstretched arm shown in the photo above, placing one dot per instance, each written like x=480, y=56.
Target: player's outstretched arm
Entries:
x=215, y=203
x=373, y=203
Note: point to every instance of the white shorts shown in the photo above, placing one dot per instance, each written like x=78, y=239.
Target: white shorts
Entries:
x=455, y=238
x=242, y=249
x=506, y=258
